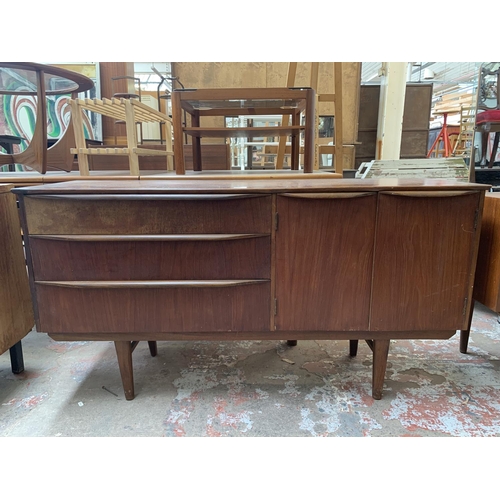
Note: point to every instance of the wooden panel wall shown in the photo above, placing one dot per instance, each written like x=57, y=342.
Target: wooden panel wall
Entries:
x=274, y=74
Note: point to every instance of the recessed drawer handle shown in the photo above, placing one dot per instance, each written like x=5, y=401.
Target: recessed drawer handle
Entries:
x=145, y=237
x=146, y=197
x=430, y=194
x=326, y=196
x=152, y=284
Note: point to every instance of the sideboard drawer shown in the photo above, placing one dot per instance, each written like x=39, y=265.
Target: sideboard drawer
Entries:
x=151, y=257
x=152, y=214
x=153, y=307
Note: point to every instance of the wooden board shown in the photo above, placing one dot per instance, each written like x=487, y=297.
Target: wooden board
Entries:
x=439, y=168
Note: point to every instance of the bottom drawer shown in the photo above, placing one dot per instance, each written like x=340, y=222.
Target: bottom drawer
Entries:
x=142, y=307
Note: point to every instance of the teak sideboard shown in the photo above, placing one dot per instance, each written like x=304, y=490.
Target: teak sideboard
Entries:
x=265, y=259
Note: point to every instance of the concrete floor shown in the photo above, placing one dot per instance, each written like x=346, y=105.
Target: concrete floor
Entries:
x=262, y=388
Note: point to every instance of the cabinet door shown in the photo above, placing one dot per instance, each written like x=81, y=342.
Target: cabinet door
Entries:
x=423, y=262
x=324, y=253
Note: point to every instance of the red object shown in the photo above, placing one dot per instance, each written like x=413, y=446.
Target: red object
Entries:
x=443, y=135
x=492, y=115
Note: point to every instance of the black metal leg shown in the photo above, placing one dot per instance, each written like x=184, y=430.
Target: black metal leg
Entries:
x=353, y=347
x=16, y=358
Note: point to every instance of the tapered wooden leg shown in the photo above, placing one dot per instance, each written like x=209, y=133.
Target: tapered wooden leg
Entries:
x=353, y=347
x=16, y=358
x=291, y=342
x=464, y=334
x=153, y=348
x=380, y=353
x=124, y=354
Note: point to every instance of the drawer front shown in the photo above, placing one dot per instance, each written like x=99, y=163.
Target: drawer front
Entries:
x=148, y=214
x=200, y=257
x=143, y=308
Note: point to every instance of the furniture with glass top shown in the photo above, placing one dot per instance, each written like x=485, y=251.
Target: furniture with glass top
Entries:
x=41, y=80
x=199, y=103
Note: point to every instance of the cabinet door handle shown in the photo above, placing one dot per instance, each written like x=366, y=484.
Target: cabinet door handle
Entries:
x=147, y=197
x=152, y=284
x=145, y=237
x=327, y=196
x=430, y=194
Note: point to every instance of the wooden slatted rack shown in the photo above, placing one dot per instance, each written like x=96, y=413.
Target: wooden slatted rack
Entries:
x=131, y=111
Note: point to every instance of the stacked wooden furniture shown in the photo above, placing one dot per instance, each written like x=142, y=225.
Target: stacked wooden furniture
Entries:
x=272, y=258
x=16, y=311
x=130, y=111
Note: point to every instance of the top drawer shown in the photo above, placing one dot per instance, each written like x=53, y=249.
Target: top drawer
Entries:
x=148, y=214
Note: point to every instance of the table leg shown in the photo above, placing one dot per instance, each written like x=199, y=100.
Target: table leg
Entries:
x=309, y=132
x=197, y=164
x=446, y=137
x=464, y=334
x=180, y=168
x=353, y=347
x=295, y=146
x=16, y=358
x=124, y=355
x=153, y=348
x=380, y=353
x=494, y=150
x=435, y=143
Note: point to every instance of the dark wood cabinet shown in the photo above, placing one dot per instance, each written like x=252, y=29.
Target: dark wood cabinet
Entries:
x=324, y=254
x=254, y=259
x=424, y=257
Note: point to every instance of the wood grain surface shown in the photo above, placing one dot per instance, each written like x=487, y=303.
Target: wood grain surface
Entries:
x=324, y=254
x=423, y=261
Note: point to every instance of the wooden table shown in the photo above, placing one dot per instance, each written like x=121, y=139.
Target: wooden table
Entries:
x=41, y=80
x=252, y=259
x=7, y=142
x=199, y=103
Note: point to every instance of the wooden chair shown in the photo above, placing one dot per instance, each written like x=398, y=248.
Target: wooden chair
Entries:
x=131, y=111
x=488, y=119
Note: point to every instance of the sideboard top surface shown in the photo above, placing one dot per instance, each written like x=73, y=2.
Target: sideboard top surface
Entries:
x=274, y=185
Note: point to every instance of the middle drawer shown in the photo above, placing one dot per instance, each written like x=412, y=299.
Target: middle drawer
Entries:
x=151, y=257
